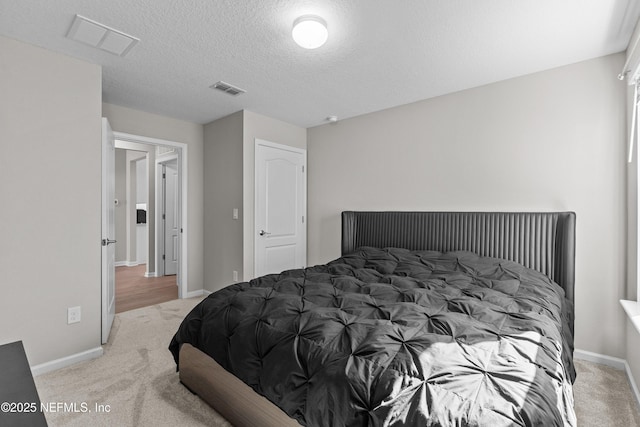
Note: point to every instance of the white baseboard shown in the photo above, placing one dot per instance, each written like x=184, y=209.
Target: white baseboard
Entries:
x=54, y=365
x=198, y=293
x=151, y=274
x=614, y=362
x=632, y=382
x=128, y=263
x=194, y=294
x=600, y=359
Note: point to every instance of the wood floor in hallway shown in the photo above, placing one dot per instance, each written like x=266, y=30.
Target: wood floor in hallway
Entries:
x=133, y=290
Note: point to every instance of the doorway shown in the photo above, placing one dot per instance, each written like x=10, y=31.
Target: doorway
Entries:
x=138, y=280
x=142, y=242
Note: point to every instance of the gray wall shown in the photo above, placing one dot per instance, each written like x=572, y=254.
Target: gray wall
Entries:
x=129, y=203
x=50, y=139
x=229, y=183
x=128, y=227
x=548, y=141
x=140, y=123
x=142, y=178
x=121, y=208
x=223, y=193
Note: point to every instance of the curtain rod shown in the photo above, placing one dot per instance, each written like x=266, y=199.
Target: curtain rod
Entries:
x=624, y=71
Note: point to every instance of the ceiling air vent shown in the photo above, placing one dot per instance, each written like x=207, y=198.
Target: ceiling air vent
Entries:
x=227, y=88
x=99, y=35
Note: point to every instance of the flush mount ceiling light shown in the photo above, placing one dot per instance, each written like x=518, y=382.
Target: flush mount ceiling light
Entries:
x=310, y=31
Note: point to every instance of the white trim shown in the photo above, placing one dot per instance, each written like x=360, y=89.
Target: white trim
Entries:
x=600, y=359
x=63, y=362
x=206, y=292
x=632, y=308
x=632, y=382
x=195, y=294
x=159, y=224
x=613, y=362
x=182, y=276
x=151, y=274
x=127, y=263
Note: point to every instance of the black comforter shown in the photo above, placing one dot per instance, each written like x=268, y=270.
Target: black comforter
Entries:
x=397, y=337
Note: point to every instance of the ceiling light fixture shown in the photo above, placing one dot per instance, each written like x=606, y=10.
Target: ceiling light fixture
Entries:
x=310, y=31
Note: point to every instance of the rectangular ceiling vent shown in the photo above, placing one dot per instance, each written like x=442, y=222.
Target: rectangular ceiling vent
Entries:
x=100, y=36
x=227, y=88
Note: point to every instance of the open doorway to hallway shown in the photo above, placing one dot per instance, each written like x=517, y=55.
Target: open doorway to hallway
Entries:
x=147, y=224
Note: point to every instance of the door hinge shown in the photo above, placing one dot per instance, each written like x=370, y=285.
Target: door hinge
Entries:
x=303, y=219
x=163, y=257
x=163, y=216
x=164, y=175
x=302, y=169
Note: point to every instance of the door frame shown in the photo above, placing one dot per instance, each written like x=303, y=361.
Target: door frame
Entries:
x=160, y=202
x=283, y=147
x=182, y=155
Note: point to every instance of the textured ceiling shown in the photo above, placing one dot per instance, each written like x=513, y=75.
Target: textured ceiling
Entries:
x=380, y=53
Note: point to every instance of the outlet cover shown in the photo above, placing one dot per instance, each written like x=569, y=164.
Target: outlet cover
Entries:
x=73, y=315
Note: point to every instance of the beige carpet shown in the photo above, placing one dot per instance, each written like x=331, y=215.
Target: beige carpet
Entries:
x=136, y=378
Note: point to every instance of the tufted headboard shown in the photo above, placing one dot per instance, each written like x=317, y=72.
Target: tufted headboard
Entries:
x=542, y=241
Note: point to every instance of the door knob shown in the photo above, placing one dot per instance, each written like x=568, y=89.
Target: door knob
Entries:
x=264, y=233
x=106, y=242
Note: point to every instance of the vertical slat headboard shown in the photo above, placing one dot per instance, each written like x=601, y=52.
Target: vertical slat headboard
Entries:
x=543, y=241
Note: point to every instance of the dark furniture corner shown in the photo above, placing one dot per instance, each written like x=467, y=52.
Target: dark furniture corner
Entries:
x=18, y=394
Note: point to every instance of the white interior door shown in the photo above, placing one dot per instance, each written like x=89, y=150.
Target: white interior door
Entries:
x=108, y=230
x=171, y=218
x=280, y=229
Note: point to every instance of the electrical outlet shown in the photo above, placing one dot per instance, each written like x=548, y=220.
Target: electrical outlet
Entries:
x=235, y=213
x=73, y=315
x=235, y=276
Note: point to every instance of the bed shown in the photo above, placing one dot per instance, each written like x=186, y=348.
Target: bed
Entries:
x=427, y=318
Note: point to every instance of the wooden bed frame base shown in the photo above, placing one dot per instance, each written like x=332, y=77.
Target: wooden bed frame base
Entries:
x=229, y=396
